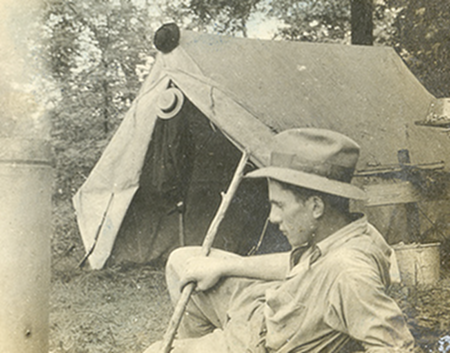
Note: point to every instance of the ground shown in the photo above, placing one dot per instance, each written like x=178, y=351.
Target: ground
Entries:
x=117, y=309
x=122, y=309
x=125, y=308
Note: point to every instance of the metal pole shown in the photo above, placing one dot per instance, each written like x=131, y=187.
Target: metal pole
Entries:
x=25, y=185
x=25, y=228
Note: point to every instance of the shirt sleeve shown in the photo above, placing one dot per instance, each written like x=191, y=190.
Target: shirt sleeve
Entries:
x=360, y=308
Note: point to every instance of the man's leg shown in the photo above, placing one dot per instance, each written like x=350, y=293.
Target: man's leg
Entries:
x=207, y=310
x=206, y=316
x=211, y=343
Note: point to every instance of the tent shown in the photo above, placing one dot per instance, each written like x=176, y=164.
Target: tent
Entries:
x=238, y=93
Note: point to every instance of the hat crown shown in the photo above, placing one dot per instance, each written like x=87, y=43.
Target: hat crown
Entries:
x=315, y=159
x=317, y=151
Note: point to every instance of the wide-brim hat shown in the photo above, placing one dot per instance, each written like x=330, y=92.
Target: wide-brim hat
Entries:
x=169, y=103
x=316, y=159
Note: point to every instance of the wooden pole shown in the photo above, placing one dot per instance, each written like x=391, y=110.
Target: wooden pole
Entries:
x=412, y=209
x=206, y=248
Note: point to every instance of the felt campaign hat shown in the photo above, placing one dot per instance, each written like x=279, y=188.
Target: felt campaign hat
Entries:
x=316, y=159
x=169, y=103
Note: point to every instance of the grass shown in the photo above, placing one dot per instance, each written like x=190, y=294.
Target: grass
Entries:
x=117, y=309
x=121, y=309
x=125, y=308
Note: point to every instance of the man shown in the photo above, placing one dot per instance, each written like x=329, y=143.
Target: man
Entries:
x=327, y=294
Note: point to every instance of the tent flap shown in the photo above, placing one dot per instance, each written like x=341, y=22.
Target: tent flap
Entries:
x=117, y=172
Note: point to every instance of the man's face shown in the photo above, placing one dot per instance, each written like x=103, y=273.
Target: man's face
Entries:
x=293, y=216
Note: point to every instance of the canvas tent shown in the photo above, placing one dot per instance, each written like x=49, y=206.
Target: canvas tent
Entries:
x=239, y=93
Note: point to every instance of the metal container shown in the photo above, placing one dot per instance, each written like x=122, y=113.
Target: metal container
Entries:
x=419, y=264
x=25, y=229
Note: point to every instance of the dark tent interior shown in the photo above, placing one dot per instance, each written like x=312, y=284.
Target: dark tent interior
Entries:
x=190, y=161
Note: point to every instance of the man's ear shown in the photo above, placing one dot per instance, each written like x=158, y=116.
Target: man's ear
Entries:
x=317, y=206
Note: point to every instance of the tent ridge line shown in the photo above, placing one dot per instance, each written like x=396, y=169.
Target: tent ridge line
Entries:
x=156, y=83
x=215, y=85
x=193, y=61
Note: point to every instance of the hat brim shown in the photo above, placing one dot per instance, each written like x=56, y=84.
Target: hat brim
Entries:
x=310, y=181
x=170, y=114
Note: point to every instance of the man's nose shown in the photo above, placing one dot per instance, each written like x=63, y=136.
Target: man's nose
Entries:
x=274, y=216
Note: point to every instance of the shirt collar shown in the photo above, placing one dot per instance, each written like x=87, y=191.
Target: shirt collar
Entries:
x=335, y=240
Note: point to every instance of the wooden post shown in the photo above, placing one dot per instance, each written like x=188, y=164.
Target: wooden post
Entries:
x=181, y=233
x=412, y=209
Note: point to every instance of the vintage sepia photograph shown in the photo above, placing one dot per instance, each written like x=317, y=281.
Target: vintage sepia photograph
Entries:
x=225, y=176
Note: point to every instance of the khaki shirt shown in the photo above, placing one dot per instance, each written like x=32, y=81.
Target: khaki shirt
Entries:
x=337, y=291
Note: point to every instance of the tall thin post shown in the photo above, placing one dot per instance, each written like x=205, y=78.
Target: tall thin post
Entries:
x=412, y=208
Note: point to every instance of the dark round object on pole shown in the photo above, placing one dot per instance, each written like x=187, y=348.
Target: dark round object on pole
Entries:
x=167, y=37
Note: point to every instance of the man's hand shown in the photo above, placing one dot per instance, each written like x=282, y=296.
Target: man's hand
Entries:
x=207, y=271
x=204, y=271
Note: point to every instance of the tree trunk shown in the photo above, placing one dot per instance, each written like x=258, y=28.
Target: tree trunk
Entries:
x=105, y=105
x=362, y=22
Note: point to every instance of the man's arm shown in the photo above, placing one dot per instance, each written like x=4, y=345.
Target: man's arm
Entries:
x=361, y=308
x=206, y=271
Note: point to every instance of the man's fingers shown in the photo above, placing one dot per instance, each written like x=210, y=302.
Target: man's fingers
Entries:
x=185, y=283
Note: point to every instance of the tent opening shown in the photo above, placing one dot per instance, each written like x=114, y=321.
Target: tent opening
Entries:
x=188, y=159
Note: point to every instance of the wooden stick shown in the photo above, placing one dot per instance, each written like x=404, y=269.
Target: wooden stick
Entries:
x=206, y=248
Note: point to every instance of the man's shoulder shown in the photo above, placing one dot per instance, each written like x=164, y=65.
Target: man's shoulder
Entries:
x=358, y=253
x=347, y=258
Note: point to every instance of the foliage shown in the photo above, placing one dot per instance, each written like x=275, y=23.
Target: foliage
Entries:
x=220, y=16
x=422, y=37
x=309, y=20
x=99, y=51
x=417, y=29
x=96, y=53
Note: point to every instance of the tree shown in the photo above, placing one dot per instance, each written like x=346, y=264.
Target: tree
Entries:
x=219, y=16
x=362, y=21
x=417, y=29
x=422, y=38
x=312, y=20
x=95, y=49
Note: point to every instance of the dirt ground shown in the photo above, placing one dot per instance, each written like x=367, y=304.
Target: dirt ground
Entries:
x=122, y=309
x=125, y=308
x=118, y=309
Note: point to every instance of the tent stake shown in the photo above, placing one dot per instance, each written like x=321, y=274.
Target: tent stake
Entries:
x=181, y=235
x=206, y=248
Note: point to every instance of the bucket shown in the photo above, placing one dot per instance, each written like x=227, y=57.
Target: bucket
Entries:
x=419, y=264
